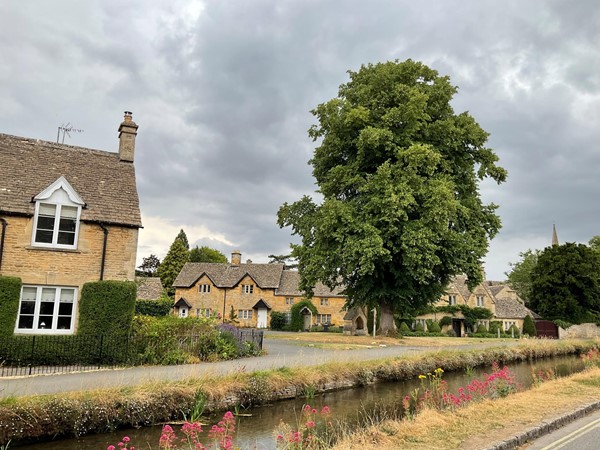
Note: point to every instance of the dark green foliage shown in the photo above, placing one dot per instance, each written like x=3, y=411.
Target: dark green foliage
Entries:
x=106, y=307
x=277, y=320
x=566, y=283
x=288, y=261
x=10, y=293
x=495, y=325
x=297, y=322
x=170, y=267
x=562, y=323
x=419, y=327
x=529, y=326
x=398, y=171
x=434, y=328
x=149, y=266
x=207, y=255
x=183, y=238
x=404, y=328
x=481, y=329
x=513, y=331
x=520, y=276
x=445, y=321
x=155, y=308
x=471, y=315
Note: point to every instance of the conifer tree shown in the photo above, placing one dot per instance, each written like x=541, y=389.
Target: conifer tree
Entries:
x=170, y=267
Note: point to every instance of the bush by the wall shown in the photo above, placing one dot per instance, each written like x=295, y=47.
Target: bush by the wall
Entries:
x=277, y=320
x=419, y=328
x=155, y=308
x=481, y=329
x=107, y=307
x=434, y=328
x=513, y=331
x=404, y=329
x=445, y=321
x=297, y=322
x=10, y=292
x=529, y=326
x=495, y=325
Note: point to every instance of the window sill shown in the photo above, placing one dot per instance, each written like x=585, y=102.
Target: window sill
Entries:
x=52, y=249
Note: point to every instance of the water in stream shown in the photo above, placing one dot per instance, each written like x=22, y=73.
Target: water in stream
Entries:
x=257, y=431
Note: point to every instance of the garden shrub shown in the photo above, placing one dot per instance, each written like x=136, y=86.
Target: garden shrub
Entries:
x=495, y=325
x=450, y=333
x=419, y=328
x=10, y=292
x=297, y=321
x=481, y=329
x=513, y=330
x=434, y=328
x=107, y=307
x=445, y=321
x=529, y=326
x=562, y=323
x=404, y=329
x=277, y=320
x=155, y=308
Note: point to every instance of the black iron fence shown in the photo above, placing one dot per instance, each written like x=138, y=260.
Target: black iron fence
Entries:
x=38, y=354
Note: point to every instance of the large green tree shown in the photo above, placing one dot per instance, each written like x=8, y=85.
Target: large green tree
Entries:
x=149, y=266
x=207, y=255
x=399, y=174
x=566, y=283
x=183, y=238
x=171, y=265
x=519, y=277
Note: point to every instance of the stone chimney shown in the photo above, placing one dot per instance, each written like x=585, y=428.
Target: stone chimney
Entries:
x=127, y=133
x=236, y=258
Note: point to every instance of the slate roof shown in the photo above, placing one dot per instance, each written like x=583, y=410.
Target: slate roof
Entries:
x=509, y=308
x=290, y=280
x=228, y=275
x=106, y=184
x=149, y=288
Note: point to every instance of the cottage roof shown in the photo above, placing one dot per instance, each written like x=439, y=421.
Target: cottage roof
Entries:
x=106, y=184
x=290, y=282
x=229, y=275
x=149, y=288
x=510, y=308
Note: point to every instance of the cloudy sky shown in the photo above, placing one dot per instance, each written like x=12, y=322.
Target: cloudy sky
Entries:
x=222, y=91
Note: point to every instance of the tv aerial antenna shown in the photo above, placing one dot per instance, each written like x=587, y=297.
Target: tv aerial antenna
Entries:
x=66, y=129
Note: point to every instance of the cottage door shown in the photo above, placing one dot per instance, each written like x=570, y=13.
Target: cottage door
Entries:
x=262, y=318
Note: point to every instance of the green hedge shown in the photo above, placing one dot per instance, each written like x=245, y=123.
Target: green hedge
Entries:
x=10, y=292
x=107, y=307
x=297, y=323
x=277, y=320
x=155, y=308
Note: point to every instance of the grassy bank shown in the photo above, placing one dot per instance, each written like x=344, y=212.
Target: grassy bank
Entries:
x=105, y=410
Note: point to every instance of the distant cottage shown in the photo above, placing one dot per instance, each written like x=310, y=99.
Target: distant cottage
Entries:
x=68, y=215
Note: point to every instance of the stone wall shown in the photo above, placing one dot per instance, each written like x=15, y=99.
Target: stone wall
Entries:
x=585, y=330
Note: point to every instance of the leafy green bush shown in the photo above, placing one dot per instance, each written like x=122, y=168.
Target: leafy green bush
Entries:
x=419, y=328
x=404, y=329
x=481, y=329
x=445, y=321
x=297, y=321
x=154, y=308
x=513, y=331
x=434, y=328
x=277, y=320
x=10, y=292
x=529, y=326
x=562, y=323
x=495, y=325
x=107, y=307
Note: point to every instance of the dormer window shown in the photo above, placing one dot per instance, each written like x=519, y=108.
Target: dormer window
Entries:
x=57, y=213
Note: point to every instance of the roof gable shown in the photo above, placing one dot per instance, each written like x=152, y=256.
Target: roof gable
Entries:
x=60, y=184
x=30, y=167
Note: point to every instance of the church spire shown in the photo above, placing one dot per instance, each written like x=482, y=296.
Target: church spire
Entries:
x=554, y=236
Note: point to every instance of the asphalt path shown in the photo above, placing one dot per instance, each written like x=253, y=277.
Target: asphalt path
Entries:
x=582, y=434
x=280, y=353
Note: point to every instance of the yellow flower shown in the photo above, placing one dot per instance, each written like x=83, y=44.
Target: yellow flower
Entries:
x=439, y=370
x=422, y=376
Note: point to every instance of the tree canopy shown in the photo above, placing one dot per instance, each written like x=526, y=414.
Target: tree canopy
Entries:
x=519, y=277
x=566, y=283
x=183, y=238
x=399, y=173
x=171, y=265
x=149, y=266
x=288, y=261
x=207, y=255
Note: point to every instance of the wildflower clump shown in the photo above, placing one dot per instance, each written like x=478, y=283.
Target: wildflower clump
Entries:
x=591, y=358
x=311, y=431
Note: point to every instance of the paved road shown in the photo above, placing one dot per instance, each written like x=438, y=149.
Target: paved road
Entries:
x=280, y=353
x=582, y=434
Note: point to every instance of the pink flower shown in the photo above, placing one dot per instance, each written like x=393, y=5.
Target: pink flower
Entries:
x=310, y=424
x=126, y=439
x=325, y=410
x=228, y=415
x=110, y=447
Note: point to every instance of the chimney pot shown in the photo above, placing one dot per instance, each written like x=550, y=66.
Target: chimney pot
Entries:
x=236, y=258
x=127, y=134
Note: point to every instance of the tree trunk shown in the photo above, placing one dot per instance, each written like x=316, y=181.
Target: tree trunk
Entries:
x=387, y=325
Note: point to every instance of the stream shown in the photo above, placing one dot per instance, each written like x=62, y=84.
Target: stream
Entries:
x=255, y=429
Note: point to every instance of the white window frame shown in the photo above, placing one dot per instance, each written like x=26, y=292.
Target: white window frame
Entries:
x=55, y=316
x=451, y=299
x=324, y=302
x=203, y=312
x=289, y=300
x=320, y=318
x=247, y=288
x=204, y=288
x=183, y=311
x=245, y=314
x=480, y=299
x=58, y=194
